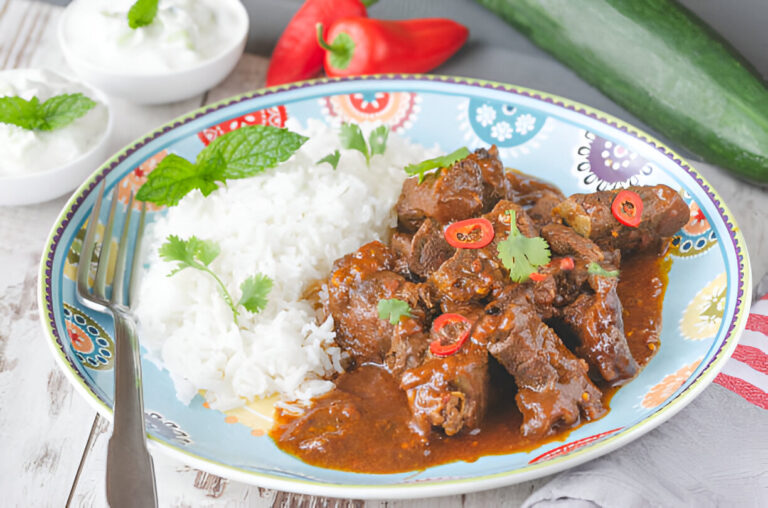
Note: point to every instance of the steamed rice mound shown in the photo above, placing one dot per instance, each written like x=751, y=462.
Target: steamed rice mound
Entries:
x=289, y=223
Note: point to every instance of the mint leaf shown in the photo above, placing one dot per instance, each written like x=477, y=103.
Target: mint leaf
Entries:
x=331, y=158
x=238, y=154
x=175, y=177
x=393, y=310
x=62, y=110
x=54, y=113
x=522, y=255
x=142, y=13
x=596, y=269
x=377, y=140
x=255, y=290
x=444, y=161
x=19, y=112
x=251, y=150
x=351, y=138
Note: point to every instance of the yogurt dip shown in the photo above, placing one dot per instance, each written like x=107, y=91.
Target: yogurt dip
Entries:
x=182, y=34
x=23, y=151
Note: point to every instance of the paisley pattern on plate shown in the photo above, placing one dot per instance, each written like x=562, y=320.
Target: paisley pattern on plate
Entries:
x=396, y=110
x=604, y=164
x=537, y=133
x=697, y=236
x=513, y=128
x=92, y=346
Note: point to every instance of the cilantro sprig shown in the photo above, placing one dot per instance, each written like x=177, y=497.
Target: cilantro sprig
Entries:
x=522, y=255
x=596, y=269
x=142, y=13
x=199, y=254
x=56, y=112
x=331, y=158
x=238, y=154
x=352, y=138
x=393, y=310
x=438, y=163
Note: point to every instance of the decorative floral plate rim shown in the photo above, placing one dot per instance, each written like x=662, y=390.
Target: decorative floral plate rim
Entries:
x=726, y=340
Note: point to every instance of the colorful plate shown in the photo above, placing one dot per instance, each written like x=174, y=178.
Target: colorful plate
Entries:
x=577, y=147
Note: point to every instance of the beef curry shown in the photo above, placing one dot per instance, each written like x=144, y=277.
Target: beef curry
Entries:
x=479, y=363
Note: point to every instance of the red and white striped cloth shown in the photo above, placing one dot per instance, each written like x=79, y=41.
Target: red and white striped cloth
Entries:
x=746, y=372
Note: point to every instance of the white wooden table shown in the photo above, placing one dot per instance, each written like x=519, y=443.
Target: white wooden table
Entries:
x=53, y=444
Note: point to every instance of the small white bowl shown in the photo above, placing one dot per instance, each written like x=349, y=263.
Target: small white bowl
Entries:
x=48, y=184
x=159, y=87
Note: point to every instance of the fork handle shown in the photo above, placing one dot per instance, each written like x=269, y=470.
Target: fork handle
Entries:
x=130, y=472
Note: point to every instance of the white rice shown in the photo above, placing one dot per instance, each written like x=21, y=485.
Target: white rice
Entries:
x=290, y=224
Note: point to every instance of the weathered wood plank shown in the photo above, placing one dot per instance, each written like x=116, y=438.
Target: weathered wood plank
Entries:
x=44, y=424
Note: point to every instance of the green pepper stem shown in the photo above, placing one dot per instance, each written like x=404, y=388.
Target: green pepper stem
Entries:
x=321, y=40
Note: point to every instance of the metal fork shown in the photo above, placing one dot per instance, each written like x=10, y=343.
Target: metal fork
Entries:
x=130, y=472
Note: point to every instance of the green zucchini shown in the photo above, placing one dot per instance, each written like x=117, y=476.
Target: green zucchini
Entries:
x=662, y=64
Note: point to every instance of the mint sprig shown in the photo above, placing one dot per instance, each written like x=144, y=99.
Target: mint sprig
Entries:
x=54, y=113
x=199, y=254
x=444, y=161
x=241, y=153
x=142, y=13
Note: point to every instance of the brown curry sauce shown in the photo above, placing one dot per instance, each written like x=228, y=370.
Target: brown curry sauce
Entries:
x=363, y=424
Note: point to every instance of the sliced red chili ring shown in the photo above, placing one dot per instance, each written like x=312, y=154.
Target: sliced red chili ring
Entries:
x=567, y=263
x=470, y=233
x=627, y=207
x=453, y=321
x=537, y=277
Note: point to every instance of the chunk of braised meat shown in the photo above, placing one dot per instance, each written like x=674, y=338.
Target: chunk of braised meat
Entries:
x=461, y=191
x=664, y=213
x=408, y=347
x=471, y=275
x=357, y=283
x=428, y=249
x=554, y=388
x=565, y=241
x=400, y=243
x=536, y=196
x=596, y=319
x=449, y=392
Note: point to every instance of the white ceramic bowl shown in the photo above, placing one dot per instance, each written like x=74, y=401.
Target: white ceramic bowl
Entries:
x=48, y=184
x=158, y=87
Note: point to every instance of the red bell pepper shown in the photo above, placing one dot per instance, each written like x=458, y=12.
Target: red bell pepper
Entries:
x=297, y=55
x=372, y=46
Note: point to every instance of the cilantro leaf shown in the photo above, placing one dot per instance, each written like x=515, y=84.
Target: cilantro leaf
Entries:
x=596, y=269
x=238, y=154
x=54, y=113
x=393, y=310
x=377, y=140
x=522, y=255
x=436, y=163
x=331, y=158
x=199, y=254
x=351, y=138
x=142, y=13
x=255, y=290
